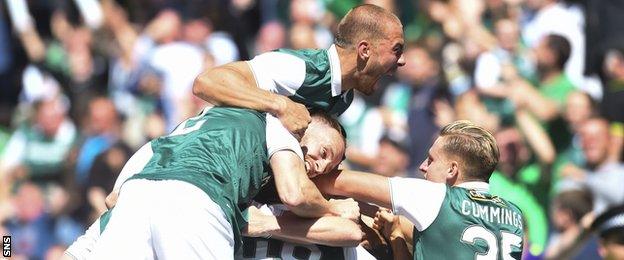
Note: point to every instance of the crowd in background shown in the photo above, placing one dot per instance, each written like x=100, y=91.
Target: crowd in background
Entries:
x=84, y=83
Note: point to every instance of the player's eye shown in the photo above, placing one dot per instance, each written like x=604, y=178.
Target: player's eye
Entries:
x=323, y=153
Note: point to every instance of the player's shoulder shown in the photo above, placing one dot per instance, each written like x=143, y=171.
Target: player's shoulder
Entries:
x=229, y=112
x=302, y=53
x=315, y=59
x=215, y=118
x=481, y=195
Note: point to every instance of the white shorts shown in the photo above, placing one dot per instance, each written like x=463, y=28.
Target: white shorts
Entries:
x=165, y=220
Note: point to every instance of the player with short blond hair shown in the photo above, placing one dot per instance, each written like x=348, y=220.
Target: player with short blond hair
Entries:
x=454, y=215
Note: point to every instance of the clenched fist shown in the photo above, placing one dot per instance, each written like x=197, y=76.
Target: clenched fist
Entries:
x=294, y=116
x=346, y=208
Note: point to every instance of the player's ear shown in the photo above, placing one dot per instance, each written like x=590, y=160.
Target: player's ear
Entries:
x=453, y=170
x=363, y=49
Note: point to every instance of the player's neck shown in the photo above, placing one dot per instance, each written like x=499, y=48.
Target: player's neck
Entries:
x=460, y=181
x=348, y=66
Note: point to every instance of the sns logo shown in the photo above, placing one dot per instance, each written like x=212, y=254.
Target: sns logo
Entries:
x=6, y=246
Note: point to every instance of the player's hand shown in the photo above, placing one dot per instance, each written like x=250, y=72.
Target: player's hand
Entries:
x=346, y=208
x=260, y=224
x=387, y=224
x=294, y=116
x=111, y=199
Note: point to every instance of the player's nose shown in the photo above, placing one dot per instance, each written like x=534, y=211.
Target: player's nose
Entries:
x=423, y=166
x=401, y=61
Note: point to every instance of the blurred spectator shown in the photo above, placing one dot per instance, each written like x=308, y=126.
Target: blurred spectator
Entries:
x=302, y=37
x=610, y=228
x=547, y=102
x=507, y=61
x=601, y=175
x=470, y=107
x=392, y=158
x=613, y=99
x=179, y=63
x=69, y=58
x=555, y=17
x=523, y=175
x=219, y=44
x=568, y=210
x=100, y=132
x=272, y=36
x=31, y=228
x=579, y=108
x=496, y=69
x=38, y=150
x=6, y=57
x=100, y=156
x=604, y=29
x=364, y=125
x=422, y=98
x=305, y=16
x=102, y=176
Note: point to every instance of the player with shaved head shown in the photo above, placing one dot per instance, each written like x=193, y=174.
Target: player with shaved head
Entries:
x=287, y=83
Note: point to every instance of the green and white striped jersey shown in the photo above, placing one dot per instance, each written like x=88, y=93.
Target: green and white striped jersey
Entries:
x=310, y=77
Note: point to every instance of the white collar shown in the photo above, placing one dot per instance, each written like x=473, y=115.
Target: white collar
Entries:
x=336, y=74
x=475, y=185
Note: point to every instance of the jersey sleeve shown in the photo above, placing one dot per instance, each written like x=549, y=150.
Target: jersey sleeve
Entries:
x=418, y=200
x=278, y=138
x=135, y=164
x=278, y=72
x=82, y=247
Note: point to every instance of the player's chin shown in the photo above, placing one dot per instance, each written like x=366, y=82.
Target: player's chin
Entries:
x=391, y=71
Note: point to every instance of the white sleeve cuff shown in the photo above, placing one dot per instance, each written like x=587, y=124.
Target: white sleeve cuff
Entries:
x=278, y=138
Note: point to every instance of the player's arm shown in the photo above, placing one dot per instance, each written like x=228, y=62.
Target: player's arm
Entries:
x=525, y=95
x=233, y=84
x=536, y=136
x=417, y=200
x=362, y=186
x=406, y=241
x=398, y=231
x=283, y=225
x=82, y=247
x=298, y=192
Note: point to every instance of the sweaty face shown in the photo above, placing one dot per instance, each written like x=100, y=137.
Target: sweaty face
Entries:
x=323, y=148
x=436, y=165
